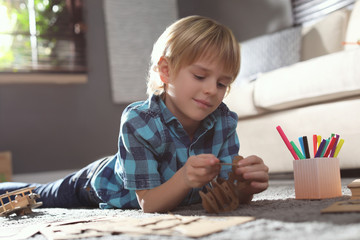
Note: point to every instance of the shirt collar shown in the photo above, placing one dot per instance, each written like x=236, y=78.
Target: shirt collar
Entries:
x=160, y=105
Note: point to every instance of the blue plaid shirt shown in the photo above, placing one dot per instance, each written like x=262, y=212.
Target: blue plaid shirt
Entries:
x=153, y=145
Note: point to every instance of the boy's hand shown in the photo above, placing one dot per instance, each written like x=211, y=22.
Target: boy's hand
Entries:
x=200, y=170
x=253, y=170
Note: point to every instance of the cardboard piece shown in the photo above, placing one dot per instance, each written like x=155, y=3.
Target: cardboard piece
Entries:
x=210, y=225
x=167, y=224
x=355, y=189
x=20, y=232
x=5, y=167
x=343, y=207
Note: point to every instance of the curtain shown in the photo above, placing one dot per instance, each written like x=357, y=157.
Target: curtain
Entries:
x=132, y=27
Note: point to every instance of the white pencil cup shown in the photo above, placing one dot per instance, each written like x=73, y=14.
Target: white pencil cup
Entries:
x=317, y=178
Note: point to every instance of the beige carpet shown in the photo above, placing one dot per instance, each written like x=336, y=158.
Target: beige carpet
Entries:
x=277, y=216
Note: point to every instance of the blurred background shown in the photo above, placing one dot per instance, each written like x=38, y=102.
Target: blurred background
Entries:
x=59, y=127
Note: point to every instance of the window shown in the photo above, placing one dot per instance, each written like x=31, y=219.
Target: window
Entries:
x=40, y=39
x=305, y=11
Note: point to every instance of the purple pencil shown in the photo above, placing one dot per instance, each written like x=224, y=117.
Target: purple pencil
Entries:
x=320, y=149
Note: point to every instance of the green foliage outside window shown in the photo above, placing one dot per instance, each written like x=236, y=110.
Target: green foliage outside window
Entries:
x=2, y=177
x=41, y=36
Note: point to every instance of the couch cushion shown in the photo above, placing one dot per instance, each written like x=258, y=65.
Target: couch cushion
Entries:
x=353, y=31
x=259, y=136
x=241, y=100
x=268, y=52
x=320, y=79
x=325, y=36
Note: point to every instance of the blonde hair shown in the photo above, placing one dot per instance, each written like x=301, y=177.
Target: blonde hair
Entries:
x=186, y=41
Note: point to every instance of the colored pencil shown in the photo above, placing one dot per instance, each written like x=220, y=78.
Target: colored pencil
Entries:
x=318, y=141
x=306, y=147
x=341, y=142
x=330, y=146
x=301, y=141
x=324, y=149
x=335, y=144
x=315, y=145
x=297, y=151
x=287, y=143
x=320, y=149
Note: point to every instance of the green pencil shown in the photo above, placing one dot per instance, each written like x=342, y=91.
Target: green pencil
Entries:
x=300, y=155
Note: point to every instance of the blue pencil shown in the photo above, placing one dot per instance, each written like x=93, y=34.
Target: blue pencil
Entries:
x=301, y=141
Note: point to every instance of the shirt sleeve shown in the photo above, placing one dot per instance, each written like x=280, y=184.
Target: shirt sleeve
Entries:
x=138, y=141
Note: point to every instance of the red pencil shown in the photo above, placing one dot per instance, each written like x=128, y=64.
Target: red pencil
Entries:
x=329, y=148
x=335, y=144
x=287, y=143
x=315, y=143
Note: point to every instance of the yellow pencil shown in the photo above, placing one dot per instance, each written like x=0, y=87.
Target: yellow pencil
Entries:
x=318, y=140
x=338, y=147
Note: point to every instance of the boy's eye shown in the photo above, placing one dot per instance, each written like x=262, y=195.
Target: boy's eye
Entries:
x=199, y=77
x=221, y=85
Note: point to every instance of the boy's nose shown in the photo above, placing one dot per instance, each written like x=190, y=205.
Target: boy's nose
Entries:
x=210, y=87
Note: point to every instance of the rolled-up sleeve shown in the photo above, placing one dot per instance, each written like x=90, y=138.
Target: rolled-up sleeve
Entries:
x=137, y=156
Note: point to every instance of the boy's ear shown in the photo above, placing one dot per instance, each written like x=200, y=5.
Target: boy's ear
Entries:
x=164, y=69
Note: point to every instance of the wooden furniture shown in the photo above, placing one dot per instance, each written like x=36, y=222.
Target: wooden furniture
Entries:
x=5, y=167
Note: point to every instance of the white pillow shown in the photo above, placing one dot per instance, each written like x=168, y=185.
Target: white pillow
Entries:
x=265, y=53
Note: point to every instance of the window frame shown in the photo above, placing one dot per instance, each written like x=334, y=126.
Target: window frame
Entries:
x=43, y=78
x=47, y=77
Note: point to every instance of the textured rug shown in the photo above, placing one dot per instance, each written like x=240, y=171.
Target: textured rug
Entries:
x=278, y=215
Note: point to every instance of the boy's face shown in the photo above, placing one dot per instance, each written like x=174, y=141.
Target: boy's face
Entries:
x=196, y=91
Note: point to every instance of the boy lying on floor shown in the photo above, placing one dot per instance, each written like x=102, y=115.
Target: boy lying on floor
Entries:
x=170, y=145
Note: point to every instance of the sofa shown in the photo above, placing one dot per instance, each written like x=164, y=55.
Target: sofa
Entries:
x=309, y=83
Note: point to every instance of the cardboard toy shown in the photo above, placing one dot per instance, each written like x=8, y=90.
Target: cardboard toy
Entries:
x=343, y=207
x=352, y=205
x=224, y=194
x=19, y=202
x=355, y=189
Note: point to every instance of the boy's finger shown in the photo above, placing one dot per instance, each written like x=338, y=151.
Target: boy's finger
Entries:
x=259, y=186
x=251, y=160
x=204, y=160
x=252, y=168
x=256, y=176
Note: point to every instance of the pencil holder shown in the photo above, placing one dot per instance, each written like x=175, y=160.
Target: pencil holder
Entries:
x=317, y=178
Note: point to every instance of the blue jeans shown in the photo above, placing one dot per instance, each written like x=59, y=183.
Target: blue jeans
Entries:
x=70, y=192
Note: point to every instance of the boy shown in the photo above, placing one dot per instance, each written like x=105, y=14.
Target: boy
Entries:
x=170, y=145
